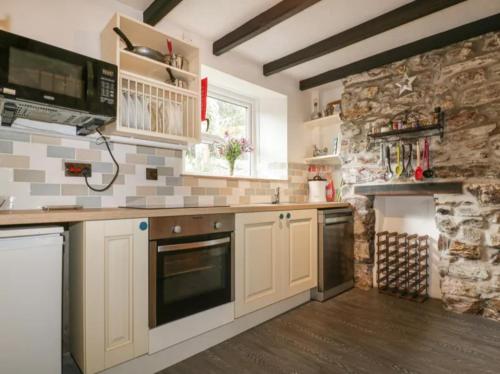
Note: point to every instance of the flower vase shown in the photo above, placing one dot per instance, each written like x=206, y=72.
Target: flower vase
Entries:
x=231, y=167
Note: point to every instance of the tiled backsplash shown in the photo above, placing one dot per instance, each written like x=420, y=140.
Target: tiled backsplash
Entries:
x=32, y=171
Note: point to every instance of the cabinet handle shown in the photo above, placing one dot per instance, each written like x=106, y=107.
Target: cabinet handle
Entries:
x=282, y=216
x=288, y=215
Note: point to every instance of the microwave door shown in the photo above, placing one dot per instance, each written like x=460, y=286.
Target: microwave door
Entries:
x=42, y=73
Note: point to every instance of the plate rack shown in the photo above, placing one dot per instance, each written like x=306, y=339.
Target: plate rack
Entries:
x=402, y=265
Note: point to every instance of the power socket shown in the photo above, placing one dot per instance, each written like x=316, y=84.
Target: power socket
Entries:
x=151, y=174
x=76, y=169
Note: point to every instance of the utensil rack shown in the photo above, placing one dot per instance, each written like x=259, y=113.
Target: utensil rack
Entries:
x=402, y=265
x=418, y=132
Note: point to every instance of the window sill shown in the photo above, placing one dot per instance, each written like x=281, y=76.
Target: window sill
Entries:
x=234, y=177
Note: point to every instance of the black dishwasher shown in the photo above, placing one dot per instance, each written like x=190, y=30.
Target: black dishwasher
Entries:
x=335, y=252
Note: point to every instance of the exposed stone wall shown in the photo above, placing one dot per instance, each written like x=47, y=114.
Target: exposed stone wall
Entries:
x=464, y=80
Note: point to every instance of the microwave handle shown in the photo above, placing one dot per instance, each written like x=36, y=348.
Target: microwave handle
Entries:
x=90, y=79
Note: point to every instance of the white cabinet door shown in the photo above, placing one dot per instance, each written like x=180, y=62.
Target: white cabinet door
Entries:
x=257, y=257
x=114, y=291
x=300, y=251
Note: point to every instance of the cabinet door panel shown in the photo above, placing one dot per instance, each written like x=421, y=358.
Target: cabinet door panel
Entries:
x=117, y=289
x=257, y=280
x=301, y=252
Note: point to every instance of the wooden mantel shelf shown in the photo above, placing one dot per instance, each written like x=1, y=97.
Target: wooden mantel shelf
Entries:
x=410, y=188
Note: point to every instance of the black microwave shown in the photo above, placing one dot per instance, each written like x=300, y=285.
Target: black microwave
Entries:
x=43, y=82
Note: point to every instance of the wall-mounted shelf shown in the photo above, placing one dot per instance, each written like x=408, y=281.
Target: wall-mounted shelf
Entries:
x=327, y=159
x=324, y=121
x=150, y=107
x=424, y=188
x=411, y=133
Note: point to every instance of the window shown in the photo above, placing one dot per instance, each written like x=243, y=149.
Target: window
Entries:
x=231, y=114
x=242, y=109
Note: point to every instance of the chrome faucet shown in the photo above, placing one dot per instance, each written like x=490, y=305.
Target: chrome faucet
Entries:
x=276, y=196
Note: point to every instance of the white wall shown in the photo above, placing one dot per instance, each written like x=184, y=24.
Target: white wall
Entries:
x=76, y=25
x=413, y=215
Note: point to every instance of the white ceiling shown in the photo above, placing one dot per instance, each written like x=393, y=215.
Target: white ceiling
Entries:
x=213, y=19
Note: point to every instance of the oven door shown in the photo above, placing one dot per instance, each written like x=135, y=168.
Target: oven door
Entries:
x=190, y=275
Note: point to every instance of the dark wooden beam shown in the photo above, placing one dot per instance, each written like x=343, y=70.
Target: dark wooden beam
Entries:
x=257, y=25
x=440, y=40
x=386, y=21
x=157, y=10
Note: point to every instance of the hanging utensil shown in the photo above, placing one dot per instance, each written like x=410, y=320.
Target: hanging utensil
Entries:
x=388, y=174
x=382, y=155
x=399, y=169
x=409, y=167
x=139, y=50
x=428, y=172
x=419, y=172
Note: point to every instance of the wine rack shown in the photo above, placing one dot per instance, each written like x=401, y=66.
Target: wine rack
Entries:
x=402, y=265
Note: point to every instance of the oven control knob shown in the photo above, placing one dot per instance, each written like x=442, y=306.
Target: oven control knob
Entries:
x=177, y=229
x=218, y=225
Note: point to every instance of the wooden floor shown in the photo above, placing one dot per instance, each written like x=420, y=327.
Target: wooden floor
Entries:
x=358, y=332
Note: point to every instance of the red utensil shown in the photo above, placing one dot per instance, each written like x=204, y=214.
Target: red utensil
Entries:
x=428, y=172
x=170, y=47
x=419, y=172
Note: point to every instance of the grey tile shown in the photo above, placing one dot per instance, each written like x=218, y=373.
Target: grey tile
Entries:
x=145, y=150
x=74, y=189
x=135, y=200
x=27, y=175
x=106, y=178
x=220, y=200
x=165, y=171
x=5, y=147
x=14, y=135
x=156, y=160
x=43, y=189
x=165, y=190
x=190, y=201
x=108, y=192
x=60, y=152
x=89, y=201
x=173, y=181
x=102, y=167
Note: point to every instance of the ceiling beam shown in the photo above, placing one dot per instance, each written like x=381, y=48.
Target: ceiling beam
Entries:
x=158, y=9
x=377, y=25
x=257, y=25
x=436, y=41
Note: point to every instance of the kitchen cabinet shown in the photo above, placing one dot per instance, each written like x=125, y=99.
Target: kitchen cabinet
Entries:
x=276, y=257
x=109, y=292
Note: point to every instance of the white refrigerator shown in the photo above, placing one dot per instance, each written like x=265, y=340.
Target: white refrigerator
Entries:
x=30, y=300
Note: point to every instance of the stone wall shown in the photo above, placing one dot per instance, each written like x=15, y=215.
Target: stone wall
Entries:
x=464, y=80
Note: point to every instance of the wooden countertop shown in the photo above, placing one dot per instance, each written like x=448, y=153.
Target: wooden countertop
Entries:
x=26, y=217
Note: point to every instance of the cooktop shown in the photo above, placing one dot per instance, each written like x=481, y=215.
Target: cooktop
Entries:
x=171, y=206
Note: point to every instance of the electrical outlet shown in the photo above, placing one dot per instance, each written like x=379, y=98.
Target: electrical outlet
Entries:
x=75, y=169
x=151, y=174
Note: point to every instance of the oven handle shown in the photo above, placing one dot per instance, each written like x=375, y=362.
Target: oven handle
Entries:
x=184, y=246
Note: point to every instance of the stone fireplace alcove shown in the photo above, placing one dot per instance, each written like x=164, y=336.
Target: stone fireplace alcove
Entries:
x=464, y=80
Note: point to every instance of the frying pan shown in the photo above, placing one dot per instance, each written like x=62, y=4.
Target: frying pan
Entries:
x=142, y=51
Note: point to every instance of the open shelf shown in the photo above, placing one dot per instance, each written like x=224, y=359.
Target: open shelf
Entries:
x=151, y=68
x=410, y=188
x=324, y=121
x=327, y=159
x=411, y=133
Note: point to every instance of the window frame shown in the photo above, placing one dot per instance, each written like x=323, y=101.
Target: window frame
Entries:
x=252, y=132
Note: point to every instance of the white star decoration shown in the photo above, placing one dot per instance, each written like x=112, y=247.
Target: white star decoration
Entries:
x=406, y=84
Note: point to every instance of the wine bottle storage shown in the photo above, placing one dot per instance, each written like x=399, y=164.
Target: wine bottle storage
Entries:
x=402, y=265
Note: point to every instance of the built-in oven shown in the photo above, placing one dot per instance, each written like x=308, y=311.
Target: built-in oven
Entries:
x=191, y=265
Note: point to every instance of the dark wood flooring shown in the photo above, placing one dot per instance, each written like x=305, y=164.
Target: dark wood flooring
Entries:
x=358, y=332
